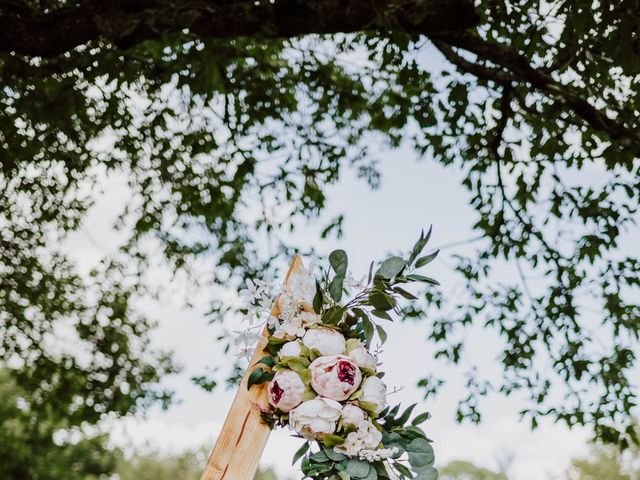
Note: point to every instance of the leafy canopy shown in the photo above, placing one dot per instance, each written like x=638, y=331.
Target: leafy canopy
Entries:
x=211, y=127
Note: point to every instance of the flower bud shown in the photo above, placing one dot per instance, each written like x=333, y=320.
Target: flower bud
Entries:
x=290, y=349
x=363, y=358
x=374, y=391
x=352, y=415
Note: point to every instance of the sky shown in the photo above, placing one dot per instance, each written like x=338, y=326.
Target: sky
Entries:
x=413, y=194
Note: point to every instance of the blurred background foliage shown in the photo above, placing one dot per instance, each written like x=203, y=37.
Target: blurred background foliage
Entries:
x=210, y=134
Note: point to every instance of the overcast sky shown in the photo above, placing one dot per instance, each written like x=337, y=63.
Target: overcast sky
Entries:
x=412, y=195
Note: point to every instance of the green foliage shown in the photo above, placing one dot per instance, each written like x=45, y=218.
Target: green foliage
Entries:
x=187, y=465
x=538, y=95
x=29, y=448
x=461, y=470
x=606, y=461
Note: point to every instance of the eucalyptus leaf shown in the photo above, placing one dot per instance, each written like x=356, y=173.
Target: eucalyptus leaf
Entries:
x=391, y=267
x=339, y=262
x=358, y=468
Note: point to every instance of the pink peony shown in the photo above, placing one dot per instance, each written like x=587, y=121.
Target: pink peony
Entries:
x=285, y=390
x=335, y=376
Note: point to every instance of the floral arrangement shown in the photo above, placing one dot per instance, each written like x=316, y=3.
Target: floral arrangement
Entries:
x=322, y=375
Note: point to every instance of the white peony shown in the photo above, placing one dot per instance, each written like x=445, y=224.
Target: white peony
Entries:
x=325, y=340
x=290, y=349
x=315, y=417
x=335, y=376
x=363, y=358
x=374, y=391
x=367, y=437
x=285, y=390
x=352, y=415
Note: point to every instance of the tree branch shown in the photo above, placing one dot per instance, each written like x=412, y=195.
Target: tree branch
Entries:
x=517, y=68
x=127, y=22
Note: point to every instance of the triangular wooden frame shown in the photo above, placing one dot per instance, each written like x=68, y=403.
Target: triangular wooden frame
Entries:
x=244, y=435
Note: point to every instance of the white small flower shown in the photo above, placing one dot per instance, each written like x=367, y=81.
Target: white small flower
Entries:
x=352, y=415
x=325, y=340
x=363, y=358
x=374, y=391
x=285, y=390
x=245, y=353
x=247, y=337
x=335, y=376
x=265, y=302
x=290, y=349
x=315, y=417
x=366, y=437
x=290, y=329
x=253, y=290
x=376, y=455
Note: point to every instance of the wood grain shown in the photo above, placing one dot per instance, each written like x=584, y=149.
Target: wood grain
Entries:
x=244, y=435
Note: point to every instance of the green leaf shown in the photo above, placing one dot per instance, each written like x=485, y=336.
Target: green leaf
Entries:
x=423, y=417
x=352, y=344
x=429, y=473
x=333, y=455
x=381, y=333
x=329, y=440
x=402, y=419
x=309, y=394
x=267, y=360
x=381, y=314
x=421, y=278
x=318, y=298
x=256, y=377
x=369, y=407
x=381, y=300
x=403, y=470
x=391, y=267
x=339, y=261
x=404, y=293
x=358, y=468
x=319, y=457
x=367, y=326
x=333, y=315
x=419, y=445
x=336, y=287
x=301, y=451
x=420, y=244
x=427, y=259
x=372, y=475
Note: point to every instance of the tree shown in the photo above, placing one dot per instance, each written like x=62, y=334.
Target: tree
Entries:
x=187, y=465
x=29, y=447
x=462, y=470
x=606, y=461
x=207, y=107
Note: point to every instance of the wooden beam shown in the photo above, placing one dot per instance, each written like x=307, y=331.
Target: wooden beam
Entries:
x=244, y=435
